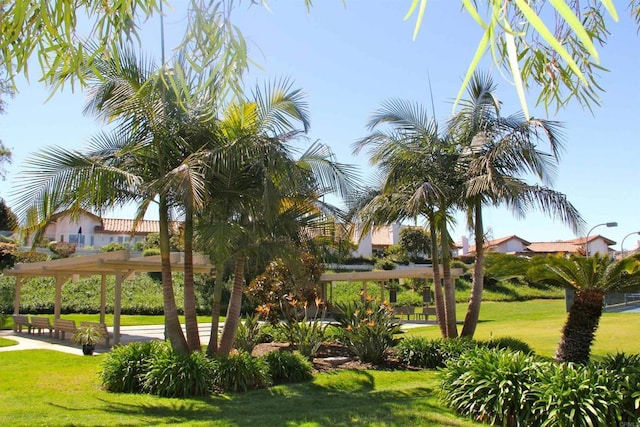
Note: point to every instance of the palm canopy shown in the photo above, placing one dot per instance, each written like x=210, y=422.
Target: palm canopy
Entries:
x=594, y=273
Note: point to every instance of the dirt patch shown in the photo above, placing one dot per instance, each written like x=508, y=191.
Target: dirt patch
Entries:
x=331, y=356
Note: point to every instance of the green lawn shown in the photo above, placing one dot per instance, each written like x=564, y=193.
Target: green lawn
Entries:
x=125, y=319
x=539, y=323
x=6, y=342
x=41, y=387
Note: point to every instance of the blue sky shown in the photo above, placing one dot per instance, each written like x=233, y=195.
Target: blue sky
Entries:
x=349, y=60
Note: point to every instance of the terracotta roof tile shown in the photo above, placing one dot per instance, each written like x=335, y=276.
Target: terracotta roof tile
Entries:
x=124, y=226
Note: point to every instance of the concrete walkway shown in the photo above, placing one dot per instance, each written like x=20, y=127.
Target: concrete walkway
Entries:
x=129, y=334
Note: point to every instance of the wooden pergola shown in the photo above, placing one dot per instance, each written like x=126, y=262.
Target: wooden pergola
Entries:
x=380, y=277
x=119, y=264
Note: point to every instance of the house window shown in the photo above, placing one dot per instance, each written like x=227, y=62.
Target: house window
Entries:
x=62, y=237
x=91, y=240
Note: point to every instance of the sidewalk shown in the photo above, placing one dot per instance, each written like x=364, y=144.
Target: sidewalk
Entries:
x=128, y=334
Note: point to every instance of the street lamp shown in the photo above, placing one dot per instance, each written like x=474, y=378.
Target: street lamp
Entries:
x=622, y=244
x=586, y=240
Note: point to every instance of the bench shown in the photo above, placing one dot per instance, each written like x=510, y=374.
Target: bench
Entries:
x=41, y=323
x=426, y=312
x=20, y=320
x=64, y=325
x=404, y=310
x=102, y=327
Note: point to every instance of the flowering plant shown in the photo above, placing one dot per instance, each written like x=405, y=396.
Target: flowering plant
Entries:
x=369, y=328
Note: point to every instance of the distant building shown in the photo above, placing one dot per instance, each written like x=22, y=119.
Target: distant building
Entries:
x=516, y=245
x=92, y=230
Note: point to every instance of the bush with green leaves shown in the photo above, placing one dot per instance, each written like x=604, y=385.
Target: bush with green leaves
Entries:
x=626, y=371
x=492, y=386
x=572, y=395
x=303, y=330
x=175, y=374
x=124, y=368
x=241, y=372
x=288, y=367
x=431, y=354
x=369, y=329
x=113, y=247
x=248, y=334
x=509, y=343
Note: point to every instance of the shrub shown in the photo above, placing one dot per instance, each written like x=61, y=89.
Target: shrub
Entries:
x=124, y=367
x=62, y=249
x=248, y=334
x=288, y=367
x=625, y=368
x=151, y=252
x=385, y=264
x=491, y=386
x=113, y=247
x=241, y=372
x=306, y=335
x=431, y=354
x=369, y=329
x=509, y=343
x=575, y=395
x=174, y=374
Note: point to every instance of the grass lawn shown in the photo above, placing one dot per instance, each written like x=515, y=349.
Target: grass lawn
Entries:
x=6, y=342
x=41, y=387
x=125, y=319
x=539, y=323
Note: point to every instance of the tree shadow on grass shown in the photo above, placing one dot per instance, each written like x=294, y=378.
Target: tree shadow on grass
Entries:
x=345, y=401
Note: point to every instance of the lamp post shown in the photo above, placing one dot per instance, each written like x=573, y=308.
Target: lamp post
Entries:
x=586, y=240
x=622, y=243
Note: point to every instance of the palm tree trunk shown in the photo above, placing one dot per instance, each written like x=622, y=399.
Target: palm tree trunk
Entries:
x=449, y=286
x=173, y=329
x=473, y=310
x=437, y=286
x=579, y=331
x=233, y=311
x=190, y=315
x=212, y=348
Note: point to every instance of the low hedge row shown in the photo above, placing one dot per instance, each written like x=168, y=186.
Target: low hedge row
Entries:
x=141, y=295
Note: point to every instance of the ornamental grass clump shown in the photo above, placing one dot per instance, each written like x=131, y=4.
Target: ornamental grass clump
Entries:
x=288, y=367
x=492, y=386
x=431, y=354
x=124, y=367
x=369, y=329
x=174, y=374
x=241, y=372
x=626, y=369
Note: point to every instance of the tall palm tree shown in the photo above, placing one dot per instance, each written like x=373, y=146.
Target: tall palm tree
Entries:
x=496, y=152
x=145, y=159
x=415, y=162
x=254, y=183
x=591, y=278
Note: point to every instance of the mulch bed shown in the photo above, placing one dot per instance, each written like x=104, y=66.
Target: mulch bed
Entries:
x=331, y=356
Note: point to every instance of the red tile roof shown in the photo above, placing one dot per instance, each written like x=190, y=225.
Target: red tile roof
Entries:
x=125, y=226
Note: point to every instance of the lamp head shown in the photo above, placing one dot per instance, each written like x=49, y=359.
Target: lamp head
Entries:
x=611, y=224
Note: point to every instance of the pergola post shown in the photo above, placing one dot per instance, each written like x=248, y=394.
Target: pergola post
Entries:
x=116, y=307
x=16, y=297
x=57, y=305
x=382, y=291
x=103, y=298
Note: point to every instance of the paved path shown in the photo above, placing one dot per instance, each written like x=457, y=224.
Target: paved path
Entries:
x=129, y=334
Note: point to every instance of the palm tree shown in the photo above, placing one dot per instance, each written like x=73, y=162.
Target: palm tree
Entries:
x=495, y=152
x=259, y=195
x=415, y=162
x=145, y=159
x=591, y=278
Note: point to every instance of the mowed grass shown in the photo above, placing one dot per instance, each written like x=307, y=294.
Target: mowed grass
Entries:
x=125, y=319
x=6, y=342
x=41, y=387
x=539, y=323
